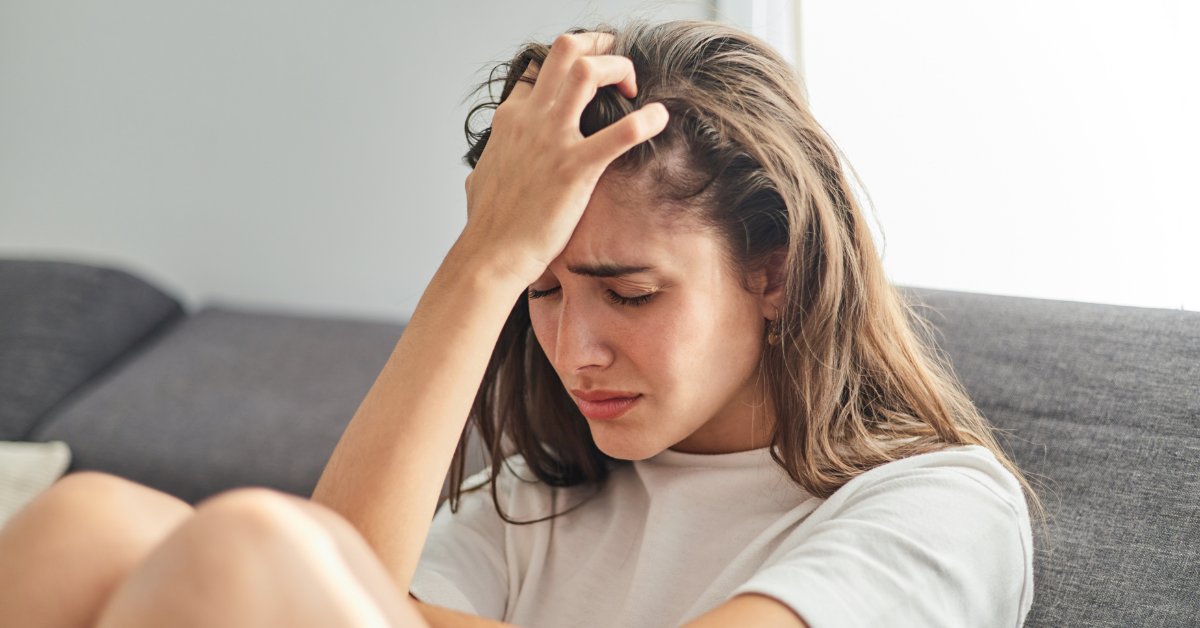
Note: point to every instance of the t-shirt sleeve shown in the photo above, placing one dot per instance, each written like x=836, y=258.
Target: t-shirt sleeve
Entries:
x=462, y=565
x=939, y=539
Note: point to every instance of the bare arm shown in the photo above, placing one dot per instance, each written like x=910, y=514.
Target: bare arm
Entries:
x=438, y=617
x=524, y=199
x=748, y=609
x=386, y=473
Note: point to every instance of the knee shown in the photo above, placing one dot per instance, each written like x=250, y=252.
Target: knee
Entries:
x=84, y=488
x=225, y=548
x=249, y=498
x=66, y=550
x=238, y=537
x=252, y=549
x=252, y=508
x=77, y=491
x=101, y=505
x=265, y=522
x=260, y=518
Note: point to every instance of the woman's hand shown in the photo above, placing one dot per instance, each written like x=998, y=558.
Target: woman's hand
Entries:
x=537, y=173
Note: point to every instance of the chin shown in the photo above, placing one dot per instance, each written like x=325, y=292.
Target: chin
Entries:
x=623, y=448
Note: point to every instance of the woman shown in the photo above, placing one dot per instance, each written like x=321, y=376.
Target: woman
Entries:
x=707, y=406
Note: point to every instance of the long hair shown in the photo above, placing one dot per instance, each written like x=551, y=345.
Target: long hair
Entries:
x=856, y=380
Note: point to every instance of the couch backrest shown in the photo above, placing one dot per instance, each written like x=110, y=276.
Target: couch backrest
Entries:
x=1102, y=404
x=63, y=323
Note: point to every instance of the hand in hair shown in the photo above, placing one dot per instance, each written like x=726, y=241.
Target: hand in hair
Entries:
x=537, y=172
x=525, y=197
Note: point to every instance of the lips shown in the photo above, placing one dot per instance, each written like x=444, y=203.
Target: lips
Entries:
x=604, y=405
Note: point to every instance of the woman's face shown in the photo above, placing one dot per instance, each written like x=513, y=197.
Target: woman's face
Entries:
x=687, y=342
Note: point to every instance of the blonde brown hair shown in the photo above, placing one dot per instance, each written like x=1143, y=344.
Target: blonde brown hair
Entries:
x=856, y=381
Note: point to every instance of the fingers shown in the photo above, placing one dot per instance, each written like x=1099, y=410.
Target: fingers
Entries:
x=586, y=76
x=568, y=79
x=563, y=53
x=611, y=142
x=524, y=85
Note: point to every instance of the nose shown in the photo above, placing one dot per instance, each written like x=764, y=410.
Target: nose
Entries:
x=582, y=338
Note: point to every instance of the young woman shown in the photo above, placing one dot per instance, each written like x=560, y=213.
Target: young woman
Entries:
x=707, y=406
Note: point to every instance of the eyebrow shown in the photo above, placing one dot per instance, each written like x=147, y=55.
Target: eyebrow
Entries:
x=606, y=270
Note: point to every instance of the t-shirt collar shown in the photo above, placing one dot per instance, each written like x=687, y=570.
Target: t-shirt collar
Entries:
x=748, y=458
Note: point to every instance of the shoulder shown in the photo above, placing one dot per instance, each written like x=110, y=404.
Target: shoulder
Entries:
x=951, y=522
x=958, y=507
x=959, y=504
x=967, y=468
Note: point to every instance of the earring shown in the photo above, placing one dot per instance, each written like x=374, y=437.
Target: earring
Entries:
x=774, y=329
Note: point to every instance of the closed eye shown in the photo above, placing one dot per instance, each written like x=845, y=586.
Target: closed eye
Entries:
x=608, y=294
x=631, y=301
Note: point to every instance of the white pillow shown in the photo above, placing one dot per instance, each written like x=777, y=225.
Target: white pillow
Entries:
x=27, y=469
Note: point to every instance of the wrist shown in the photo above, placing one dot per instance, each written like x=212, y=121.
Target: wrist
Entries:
x=504, y=271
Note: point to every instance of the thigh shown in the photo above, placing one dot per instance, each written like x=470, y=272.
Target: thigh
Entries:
x=65, y=552
x=253, y=557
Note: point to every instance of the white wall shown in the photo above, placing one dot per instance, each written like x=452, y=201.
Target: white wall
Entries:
x=774, y=21
x=290, y=155
x=306, y=155
x=1034, y=148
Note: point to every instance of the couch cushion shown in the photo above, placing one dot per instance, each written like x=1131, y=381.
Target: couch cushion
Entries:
x=1103, y=403
x=228, y=398
x=63, y=323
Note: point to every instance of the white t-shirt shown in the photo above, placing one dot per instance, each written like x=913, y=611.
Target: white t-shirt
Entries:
x=938, y=539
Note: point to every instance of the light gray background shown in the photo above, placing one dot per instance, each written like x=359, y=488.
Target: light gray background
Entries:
x=280, y=154
x=306, y=155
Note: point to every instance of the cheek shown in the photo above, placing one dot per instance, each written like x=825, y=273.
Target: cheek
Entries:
x=671, y=348
x=545, y=327
x=713, y=344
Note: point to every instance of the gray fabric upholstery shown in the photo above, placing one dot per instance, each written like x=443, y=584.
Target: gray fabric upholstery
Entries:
x=62, y=323
x=226, y=399
x=1103, y=404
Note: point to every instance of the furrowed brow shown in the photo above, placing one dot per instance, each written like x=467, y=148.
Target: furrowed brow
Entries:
x=606, y=270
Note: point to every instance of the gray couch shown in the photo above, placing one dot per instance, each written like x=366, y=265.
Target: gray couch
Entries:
x=1101, y=404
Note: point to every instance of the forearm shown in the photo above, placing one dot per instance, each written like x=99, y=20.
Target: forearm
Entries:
x=437, y=617
x=386, y=472
x=525, y=197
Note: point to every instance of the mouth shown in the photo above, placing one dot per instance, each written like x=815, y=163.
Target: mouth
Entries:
x=604, y=405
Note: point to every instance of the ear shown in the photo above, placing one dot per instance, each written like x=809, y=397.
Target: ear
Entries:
x=768, y=283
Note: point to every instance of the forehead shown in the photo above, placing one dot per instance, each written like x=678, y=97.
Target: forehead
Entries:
x=625, y=225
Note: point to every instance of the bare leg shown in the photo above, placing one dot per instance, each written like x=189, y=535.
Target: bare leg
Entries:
x=63, y=554
x=354, y=548
x=257, y=557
